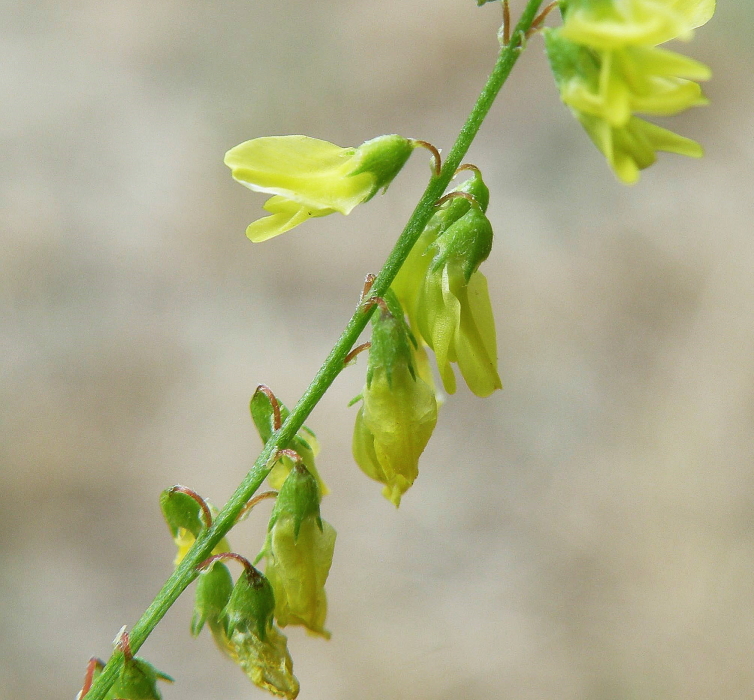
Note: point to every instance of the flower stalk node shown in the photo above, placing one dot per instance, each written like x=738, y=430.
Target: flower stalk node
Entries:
x=368, y=282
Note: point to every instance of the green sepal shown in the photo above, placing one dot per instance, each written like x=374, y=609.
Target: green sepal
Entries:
x=138, y=681
x=251, y=605
x=392, y=340
x=213, y=589
x=181, y=511
x=568, y=60
x=299, y=498
x=382, y=157
x=469, y=240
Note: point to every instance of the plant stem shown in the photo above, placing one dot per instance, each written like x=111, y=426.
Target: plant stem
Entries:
x=186, y=572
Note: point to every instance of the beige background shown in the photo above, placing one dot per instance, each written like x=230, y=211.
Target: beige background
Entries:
x=586, y=534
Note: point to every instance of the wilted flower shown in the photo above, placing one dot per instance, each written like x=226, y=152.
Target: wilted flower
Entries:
x=311, y=178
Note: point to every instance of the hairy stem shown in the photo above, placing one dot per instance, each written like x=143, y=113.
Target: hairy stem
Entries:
x=186, y=571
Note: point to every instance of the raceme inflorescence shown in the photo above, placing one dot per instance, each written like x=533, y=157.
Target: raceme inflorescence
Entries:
x=429, y=299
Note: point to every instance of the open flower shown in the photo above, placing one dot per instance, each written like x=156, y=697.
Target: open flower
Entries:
x=311, y=178
x=611, y=24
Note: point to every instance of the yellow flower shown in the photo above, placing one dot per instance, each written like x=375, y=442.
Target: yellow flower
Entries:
x=456, y=320
x=613, y=24
x=311, y=178
x=453, y=311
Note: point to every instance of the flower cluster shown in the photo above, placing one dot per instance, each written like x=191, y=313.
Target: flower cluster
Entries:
x=609, y=67
x=440, y=290
x=245, y=617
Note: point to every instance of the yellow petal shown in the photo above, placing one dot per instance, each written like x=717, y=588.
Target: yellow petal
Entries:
x=286, y=215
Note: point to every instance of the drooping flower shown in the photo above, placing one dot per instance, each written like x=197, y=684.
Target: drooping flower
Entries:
x=298, y=551
x=613, y=24
x=453, y=311
x=399, y=409
x=410, y=278
x=311, y=178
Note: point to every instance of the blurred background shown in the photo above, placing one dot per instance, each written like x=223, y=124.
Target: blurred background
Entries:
x=585, y=534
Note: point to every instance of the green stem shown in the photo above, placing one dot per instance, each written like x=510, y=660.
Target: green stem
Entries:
x=185, y=573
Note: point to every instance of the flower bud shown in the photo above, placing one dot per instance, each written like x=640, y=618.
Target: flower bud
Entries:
x=137, y=680
x=311, y=178
x=184, y=517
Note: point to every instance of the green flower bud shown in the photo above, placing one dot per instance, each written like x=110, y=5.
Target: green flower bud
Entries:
x=138, y=681
x=468, y=240
x=213, y=589
x=312, y=178
x=399, y=410
x=298, y=499
x=304, y=443
x=251, y=605
x=184, y=517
